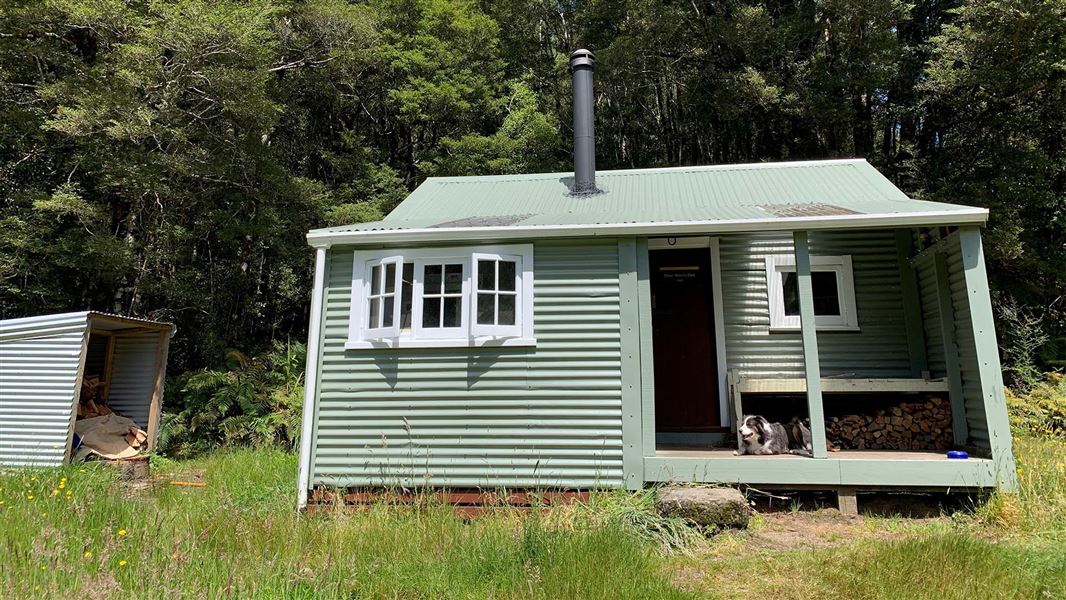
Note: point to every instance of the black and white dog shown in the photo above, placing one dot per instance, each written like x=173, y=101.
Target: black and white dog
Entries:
x=759, y=436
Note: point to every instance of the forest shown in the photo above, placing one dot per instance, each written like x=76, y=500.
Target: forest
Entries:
x=165, y=159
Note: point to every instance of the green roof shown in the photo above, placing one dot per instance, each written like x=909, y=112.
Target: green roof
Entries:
x=749, y=197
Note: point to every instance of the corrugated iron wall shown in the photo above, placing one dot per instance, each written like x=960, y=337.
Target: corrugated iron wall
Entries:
x=934, y=336
x=548, y=416
x=133, y=375
x=39, y=361
x=964, y=335
x=879, y=349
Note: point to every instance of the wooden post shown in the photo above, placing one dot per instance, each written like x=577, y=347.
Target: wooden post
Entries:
x=912, y=304
x=989, y=371
x=155, y=408
x=109, y=364
x=847, y=502
x=959, y=428
x=811, y=368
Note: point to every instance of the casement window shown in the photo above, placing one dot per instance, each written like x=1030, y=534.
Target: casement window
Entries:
x=442, y=297
x=833, y=291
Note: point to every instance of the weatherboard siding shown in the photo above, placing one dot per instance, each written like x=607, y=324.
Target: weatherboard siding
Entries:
x=545, y=416
x=878, y=349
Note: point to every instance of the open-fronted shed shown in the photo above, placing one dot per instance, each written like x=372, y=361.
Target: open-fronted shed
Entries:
x=43, y=361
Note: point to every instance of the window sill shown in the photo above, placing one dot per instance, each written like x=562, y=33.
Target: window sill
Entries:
x=797, y=328
x=502, y=342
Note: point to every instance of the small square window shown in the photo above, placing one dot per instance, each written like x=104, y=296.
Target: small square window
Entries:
x=832, y=287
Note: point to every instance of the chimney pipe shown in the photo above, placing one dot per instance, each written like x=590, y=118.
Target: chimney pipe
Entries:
x=581, y=65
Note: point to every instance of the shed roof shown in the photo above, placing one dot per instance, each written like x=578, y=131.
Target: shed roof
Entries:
x=36, y=326
x=699, y=199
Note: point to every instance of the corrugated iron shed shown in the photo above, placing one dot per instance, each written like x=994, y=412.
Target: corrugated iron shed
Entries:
x=42, y=360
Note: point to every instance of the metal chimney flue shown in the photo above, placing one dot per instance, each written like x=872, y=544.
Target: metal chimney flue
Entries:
x=581, y=66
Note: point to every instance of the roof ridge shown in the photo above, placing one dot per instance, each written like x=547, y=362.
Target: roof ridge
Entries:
x=652, y=170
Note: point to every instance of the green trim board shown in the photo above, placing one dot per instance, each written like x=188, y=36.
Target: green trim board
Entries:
x=991, y=374
x=629, y=328
x=829, y=472
x=647, y=364
x=959, y=427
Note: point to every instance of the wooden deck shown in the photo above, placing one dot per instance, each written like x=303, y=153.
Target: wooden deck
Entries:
x=715, y=453
x=859, y=469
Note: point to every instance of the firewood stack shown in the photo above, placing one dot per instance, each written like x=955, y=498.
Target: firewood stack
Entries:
x=907, y=426
x=91, y=401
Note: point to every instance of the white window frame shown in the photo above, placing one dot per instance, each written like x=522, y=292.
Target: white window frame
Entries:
x=494, y=330
x=521, y=334
x=393, y=331
x=445, y=333
x=847, y=320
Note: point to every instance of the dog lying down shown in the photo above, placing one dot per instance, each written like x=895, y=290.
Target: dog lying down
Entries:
x=759, y=436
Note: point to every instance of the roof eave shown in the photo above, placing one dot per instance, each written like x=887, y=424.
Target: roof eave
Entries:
x=962, y=216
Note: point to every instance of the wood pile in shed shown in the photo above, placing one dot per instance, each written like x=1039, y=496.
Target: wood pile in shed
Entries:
x=920, y=425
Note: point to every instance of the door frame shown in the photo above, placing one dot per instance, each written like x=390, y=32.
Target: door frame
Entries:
x=711, y=243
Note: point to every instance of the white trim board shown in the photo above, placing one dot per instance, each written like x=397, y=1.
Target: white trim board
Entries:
x=711, y=243
x=314, y=335
x=965, y=215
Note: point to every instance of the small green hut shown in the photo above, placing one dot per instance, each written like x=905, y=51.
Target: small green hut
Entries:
x=606, y=330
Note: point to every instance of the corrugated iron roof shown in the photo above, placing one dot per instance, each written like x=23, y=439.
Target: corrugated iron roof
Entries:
x=30, y=326
x=720, y=193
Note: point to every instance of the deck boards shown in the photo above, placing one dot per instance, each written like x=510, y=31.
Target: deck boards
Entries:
x=698, y=452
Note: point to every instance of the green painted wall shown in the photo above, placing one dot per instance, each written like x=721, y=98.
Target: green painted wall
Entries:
x=965, y=341
x=549, y=416
x=879, y=349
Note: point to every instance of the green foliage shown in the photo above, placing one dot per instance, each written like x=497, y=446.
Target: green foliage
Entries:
x=1041, y=410
x=166, y=158
x=248, y=401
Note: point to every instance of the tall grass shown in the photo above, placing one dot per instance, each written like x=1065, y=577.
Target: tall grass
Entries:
x=77, y=532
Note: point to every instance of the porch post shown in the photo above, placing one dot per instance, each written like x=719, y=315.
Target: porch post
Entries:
x=987, y=350
x=812, y=370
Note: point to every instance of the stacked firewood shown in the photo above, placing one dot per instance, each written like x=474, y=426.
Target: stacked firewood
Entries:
x=91, y=400
x=924, y=425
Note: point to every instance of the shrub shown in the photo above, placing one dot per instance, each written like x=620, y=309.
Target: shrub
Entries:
x=247, y=401
x=1042, y=411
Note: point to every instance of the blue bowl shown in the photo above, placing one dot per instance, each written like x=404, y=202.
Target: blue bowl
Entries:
x=958, y=454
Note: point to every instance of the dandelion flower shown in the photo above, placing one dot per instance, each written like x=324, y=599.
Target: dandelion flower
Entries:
x=122, y=563
x=122, y=532
x=29, y=496
x=88, y=554
x=55, y=492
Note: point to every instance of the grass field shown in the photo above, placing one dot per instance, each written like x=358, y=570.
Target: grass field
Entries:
x=77, y=532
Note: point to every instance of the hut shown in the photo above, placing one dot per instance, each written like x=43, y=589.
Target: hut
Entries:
x=43, y=361
x=587, y=330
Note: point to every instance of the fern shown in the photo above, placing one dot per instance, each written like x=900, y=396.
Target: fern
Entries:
x=251, y=401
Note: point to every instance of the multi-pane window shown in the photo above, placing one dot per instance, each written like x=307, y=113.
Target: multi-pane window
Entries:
x=440, y=297
x=497, y=295
x=832, y=292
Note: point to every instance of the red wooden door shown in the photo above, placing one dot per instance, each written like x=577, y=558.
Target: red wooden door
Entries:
x=686, y=378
